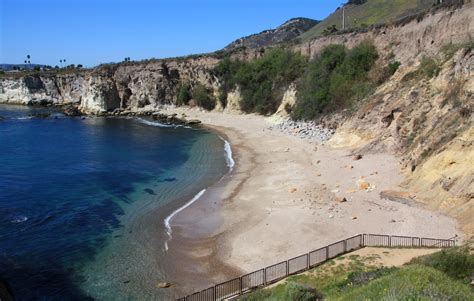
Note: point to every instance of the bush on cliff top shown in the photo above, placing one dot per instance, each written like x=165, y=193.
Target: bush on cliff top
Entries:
x=261, y=81
x=334, y=79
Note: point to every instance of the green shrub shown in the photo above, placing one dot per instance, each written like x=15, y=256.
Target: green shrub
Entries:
x=429, y=67
x=298, y=292
x=450, y=49
x=184, y=94
x=393, y=67
x=334, y=79
x=202, y=97
x=414, y=282
x=261, y=81
x=455, y=262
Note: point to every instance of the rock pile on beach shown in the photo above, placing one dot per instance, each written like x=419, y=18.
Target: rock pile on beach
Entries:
x=305, y=130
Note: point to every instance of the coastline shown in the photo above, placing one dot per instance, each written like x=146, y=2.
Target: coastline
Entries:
x=283, y=199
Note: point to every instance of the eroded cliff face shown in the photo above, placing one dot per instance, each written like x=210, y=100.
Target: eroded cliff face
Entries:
x=106, y=88
x=428, y=123
x=408, y=41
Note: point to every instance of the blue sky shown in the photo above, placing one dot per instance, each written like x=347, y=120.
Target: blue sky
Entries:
x=91, y=32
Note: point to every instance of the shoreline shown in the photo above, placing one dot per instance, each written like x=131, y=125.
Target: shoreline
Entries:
x=230, y=164
x=283, y=199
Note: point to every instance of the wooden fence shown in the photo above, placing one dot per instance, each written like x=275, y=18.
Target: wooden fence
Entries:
x=278, y=271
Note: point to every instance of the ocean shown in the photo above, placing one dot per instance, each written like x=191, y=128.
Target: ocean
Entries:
x=86, y=204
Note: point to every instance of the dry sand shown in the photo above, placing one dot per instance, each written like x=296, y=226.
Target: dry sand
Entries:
x=280, y=201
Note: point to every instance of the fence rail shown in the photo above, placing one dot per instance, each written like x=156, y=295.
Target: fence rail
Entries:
x=276, y=272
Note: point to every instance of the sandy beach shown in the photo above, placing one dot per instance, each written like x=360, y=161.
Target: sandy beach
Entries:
x=284, y=197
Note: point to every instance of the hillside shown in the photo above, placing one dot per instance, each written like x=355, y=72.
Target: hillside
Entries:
x=283, y=33
x=369, y=13
x=381, y=274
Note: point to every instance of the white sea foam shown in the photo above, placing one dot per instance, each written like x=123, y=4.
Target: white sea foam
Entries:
x=19, y=219
x=230, y=163
x=170, y=217
x=155, y=123
x=228, y=151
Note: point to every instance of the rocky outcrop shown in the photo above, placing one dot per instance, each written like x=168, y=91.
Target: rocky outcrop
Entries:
x=283, y=33
x=106, y=88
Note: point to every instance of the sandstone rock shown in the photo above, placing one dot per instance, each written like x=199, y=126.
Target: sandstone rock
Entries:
x=363, y=185
x=341, y=200
x=164, y=284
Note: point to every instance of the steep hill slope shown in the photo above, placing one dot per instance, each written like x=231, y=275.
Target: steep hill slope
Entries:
x=283, y=33
x=369, y=13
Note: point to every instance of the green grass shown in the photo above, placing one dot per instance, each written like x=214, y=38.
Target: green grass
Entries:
x=450, y=49
x=429, y=68
x=443, y=275
x=414, y=282
x=372, y=12
x=455, y=262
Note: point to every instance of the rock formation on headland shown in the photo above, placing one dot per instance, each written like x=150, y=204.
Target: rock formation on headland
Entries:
x=283, y=33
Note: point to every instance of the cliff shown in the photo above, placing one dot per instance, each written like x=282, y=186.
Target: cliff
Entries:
x=110, y=87
x=149, y=84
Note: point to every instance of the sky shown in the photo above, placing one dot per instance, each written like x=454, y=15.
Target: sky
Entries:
x=90, y=32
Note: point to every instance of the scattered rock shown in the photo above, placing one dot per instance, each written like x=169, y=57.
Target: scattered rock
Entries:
x=164, y=284
x=193, y=122
x=291, y=190
x=40, y=115
x=393, y=221
x=354, y=217
x=72, y=111
x=357, y=157
x=341, y=200
x=331, y=216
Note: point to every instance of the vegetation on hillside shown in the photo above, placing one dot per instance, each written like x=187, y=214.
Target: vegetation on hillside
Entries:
x=334, y=79
x=261, y=81
x=203, y=97
x=362, y=14
x=443, y=275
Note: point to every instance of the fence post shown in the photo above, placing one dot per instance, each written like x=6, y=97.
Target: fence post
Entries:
x=389, y=241
x=265, y=277
x=307, y=261
x=345, y=246
x=363, y=240
x=214, y=295
x=287, y=267
x=241, y=285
